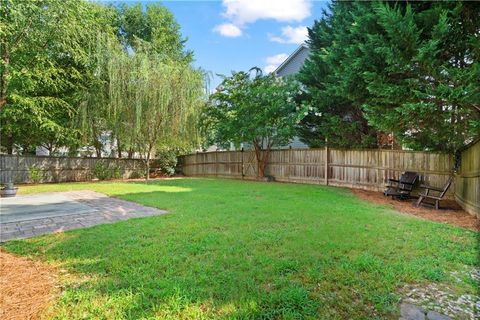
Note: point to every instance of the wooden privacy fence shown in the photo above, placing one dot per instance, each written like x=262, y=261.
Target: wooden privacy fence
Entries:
x=365, y=169
x=467, y=180
x=15, y=168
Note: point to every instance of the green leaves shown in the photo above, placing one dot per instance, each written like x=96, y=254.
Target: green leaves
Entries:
x=411, y=69
x=333, y=82
x=66, y=67
x=258, y=109
x=44, y=54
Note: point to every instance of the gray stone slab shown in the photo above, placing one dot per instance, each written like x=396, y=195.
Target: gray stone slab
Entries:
x=33, y=215
x=411, y=312
x=40, y=206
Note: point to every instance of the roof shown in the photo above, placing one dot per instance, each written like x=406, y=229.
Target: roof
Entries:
x=297, y=58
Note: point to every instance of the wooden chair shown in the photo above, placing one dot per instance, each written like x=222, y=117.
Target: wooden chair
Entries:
x=401, y=188
x=435, y=198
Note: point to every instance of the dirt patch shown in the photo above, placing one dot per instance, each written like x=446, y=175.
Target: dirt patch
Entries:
x=450, y=212
x=27, y=287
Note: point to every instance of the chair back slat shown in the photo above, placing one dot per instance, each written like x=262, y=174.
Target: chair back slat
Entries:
x=408, y=180
x=409, y=177
x=446, y=186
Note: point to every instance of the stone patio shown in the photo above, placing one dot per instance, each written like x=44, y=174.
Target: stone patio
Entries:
x=34, y=215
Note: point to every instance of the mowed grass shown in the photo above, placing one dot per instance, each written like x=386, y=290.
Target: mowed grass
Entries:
x=247, y=250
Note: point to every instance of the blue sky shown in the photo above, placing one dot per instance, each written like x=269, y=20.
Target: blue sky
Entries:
x=239, y=34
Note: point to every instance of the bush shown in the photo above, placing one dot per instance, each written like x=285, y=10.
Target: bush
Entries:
x=137, y=174
x=35, y=174
x=166, y=161
x=101, y=171
x=117, y=173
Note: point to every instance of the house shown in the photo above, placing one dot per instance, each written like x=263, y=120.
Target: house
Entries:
x=294, y=62
x=290, y=66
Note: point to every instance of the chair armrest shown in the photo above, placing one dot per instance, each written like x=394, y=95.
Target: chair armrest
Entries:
x=410, y=183
x=432, y=197
x=394, y=180
x=431, y=188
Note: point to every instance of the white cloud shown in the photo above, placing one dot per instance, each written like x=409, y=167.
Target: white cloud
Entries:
x=239, y=13
x=290, y=34
x=247, y=11
x=228, y=30
x=274, y=61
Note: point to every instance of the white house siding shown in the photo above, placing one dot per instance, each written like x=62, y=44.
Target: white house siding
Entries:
x=292, y=65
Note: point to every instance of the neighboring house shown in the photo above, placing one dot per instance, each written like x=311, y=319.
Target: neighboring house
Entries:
x=294, y=62
x=290, y=66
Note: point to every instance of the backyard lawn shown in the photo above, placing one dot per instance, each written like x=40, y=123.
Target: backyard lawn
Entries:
x=236, y=249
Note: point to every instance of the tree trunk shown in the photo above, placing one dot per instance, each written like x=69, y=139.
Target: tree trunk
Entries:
x=130, y=153
x=119, y=149
x=98, y=150
x=147, y=166
x=3, y=77
x=262, y=159
x=149, y=154
x=9, y=144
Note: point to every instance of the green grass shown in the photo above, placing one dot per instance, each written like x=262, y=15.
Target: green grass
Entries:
x=235, y=249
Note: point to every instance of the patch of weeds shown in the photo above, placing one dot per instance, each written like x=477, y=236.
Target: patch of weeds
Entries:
x=290, y=302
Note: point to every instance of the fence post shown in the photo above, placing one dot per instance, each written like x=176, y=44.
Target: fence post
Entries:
x=326, y=161
x=289, y=163
x=197, y=170
x=243, y=171
x=379, y=179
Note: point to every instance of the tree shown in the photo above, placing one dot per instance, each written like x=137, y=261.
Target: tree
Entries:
x=156, y=25
x=257, y=109
x=425, y=86
x=411, y=69
x=161, y=101
x=43, y=66
x=99, y=112
x=332, y=87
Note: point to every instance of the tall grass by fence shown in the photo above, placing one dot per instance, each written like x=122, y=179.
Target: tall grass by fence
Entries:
x=467, y=181
x=365, y=169
x=15, y=168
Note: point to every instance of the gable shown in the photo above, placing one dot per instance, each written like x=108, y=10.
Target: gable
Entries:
x=294, y=62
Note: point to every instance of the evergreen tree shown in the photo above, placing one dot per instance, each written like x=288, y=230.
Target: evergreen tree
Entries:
x=332, y=87
x=425, y=84
x=407, y=68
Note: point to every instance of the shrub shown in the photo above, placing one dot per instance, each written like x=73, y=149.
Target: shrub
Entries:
x=117, y=173
x=35, y=174
x=166, y=161
x=137, y=174
x=101, y=171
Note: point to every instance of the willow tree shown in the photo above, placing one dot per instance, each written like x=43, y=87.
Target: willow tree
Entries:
x=156, y=102
x=95, y=117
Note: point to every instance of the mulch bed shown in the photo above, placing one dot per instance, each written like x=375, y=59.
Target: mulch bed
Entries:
x=450, y=212
x=26, y=287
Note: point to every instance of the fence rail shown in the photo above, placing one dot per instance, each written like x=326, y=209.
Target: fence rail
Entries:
x=364, y=169
x=467, y=181
x=15, y=168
